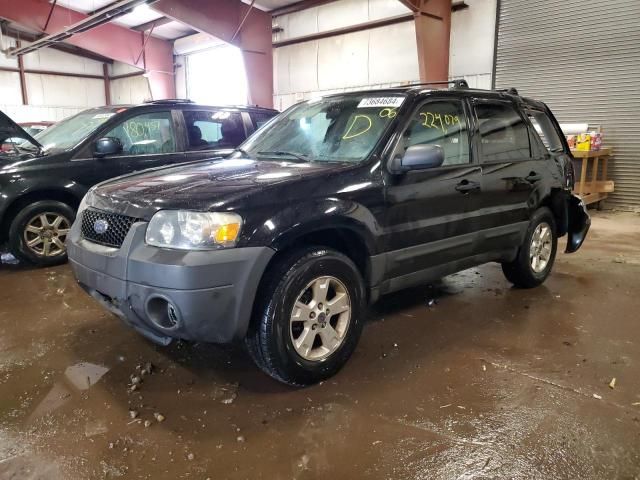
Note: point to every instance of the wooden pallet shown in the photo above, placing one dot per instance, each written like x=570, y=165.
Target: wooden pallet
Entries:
x=598, y=185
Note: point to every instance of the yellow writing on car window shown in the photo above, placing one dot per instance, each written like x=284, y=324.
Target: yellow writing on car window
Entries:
x=439, y=121
x=388, y=113
x=359, y=125
x=138, y=129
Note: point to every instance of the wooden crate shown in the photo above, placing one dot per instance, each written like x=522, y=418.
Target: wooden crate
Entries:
x=593, y=184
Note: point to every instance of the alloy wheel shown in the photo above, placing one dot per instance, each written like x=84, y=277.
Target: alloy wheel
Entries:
x=320, y=318
x=46, y=233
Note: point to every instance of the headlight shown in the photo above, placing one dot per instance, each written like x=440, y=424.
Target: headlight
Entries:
x=85, y=200
x=193, y=230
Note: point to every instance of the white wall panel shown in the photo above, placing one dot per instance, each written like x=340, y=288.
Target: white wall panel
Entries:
x=4, y=60
x=393, y=54
x=10, y=88
x=57, y=61
x=303, y=67
x=119, y=68
x=342, y=14
x=30, y=113
x=379, y=9
x=52, y=90
x=343, y=61
x=472, y=39
x=132, y=90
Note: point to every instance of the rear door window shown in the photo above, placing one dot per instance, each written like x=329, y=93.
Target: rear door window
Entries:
x=213, y=129
x=545, y=129
x=503, y=133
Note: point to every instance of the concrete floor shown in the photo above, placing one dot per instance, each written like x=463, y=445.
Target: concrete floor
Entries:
x=490, y=382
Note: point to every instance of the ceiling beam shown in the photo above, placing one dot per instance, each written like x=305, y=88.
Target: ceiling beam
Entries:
x=158, y=22
x=61, y=47
x=113, y=41
x=234, y=22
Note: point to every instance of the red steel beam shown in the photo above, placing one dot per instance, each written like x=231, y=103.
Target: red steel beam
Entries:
x=107, y=84
x=433, y=29
x=109, y=40
x=23, y=80
x=222, y=19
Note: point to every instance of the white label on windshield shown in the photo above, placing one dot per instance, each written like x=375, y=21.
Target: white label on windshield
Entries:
x=373, y=102
x=103, y=115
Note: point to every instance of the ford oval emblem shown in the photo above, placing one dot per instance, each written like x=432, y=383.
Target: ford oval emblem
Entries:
x=101, y=226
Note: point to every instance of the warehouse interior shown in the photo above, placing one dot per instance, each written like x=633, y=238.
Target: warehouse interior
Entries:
x=463, y=376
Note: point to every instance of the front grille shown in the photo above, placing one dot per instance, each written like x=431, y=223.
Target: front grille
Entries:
x=117, y=227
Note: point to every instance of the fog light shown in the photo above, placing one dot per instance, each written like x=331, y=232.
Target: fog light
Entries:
x=163, y=313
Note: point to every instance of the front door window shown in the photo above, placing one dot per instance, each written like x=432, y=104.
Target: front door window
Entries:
x=146, y=134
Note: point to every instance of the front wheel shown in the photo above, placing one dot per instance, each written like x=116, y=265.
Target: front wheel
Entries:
x=308, y=316
x=39, y=231
x=537, y=253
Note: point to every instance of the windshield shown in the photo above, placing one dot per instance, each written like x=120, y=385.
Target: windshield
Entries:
x=335, y=129
x=73, y=130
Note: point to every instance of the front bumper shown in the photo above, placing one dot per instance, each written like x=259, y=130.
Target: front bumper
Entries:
x=579, y=222
x=210, y=293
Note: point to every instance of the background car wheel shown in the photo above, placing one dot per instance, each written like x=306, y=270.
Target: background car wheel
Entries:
x=39, y=231
x=537, y=254
x=308, y=316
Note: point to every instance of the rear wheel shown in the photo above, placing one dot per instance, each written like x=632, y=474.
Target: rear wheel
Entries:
x=308, y=316
x=537, y=254
x=39, y=231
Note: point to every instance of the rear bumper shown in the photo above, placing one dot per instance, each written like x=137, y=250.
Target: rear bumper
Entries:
x=166, y=294
x=579, y=222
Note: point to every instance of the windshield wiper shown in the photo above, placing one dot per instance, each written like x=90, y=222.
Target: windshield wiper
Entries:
x=280, y=153
x=243, y=152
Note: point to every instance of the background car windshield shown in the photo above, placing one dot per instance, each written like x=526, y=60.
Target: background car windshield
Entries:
x=338, y=129
x=73, y=130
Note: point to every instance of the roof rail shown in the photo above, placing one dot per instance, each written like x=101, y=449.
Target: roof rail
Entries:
x=459, y=83
x=510, y=90
x=169, y=100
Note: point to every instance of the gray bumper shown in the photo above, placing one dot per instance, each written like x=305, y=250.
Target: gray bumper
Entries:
x=211, y=293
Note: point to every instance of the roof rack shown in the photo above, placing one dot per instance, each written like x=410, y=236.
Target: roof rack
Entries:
x=460, y=83
x=510, y=90
x=169, y=101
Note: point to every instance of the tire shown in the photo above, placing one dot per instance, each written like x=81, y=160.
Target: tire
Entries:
x=272, y=336
x=525, y=271
x=33, y=216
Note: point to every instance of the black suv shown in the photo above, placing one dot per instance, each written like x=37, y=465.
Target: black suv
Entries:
x=336, y=202
x=43, y=180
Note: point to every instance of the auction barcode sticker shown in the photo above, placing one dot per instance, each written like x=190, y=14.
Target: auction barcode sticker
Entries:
x=373, y=102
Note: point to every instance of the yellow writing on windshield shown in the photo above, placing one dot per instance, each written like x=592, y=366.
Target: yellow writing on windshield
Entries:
x=439, y=121
x=359, y=125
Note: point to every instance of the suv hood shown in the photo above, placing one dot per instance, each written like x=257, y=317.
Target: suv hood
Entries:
x=203, y=185
x=10, y=129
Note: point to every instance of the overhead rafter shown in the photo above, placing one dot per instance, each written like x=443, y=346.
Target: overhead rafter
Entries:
x=235, y=22
x=106, y=39
x=8, y=31
x=158, y=22
x=85, y=24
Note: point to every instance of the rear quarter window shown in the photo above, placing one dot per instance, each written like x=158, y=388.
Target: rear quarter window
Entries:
x=545, y=130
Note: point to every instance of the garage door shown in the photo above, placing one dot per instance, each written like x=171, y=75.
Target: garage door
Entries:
x=583, y=59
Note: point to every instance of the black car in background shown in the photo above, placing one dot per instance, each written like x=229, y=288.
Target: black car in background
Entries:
x=336, y=202
x=43, y=179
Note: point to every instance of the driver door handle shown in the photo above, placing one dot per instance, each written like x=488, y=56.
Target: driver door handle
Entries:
x=466, y=186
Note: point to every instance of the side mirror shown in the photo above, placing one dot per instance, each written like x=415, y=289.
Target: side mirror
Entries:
x=418, y=157
x=107, y=146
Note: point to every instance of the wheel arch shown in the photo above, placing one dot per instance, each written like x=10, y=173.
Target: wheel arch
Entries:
x=556, y=201
x=56, y=194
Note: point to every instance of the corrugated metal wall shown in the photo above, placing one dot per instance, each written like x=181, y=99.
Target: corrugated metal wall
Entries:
x=583, y=60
